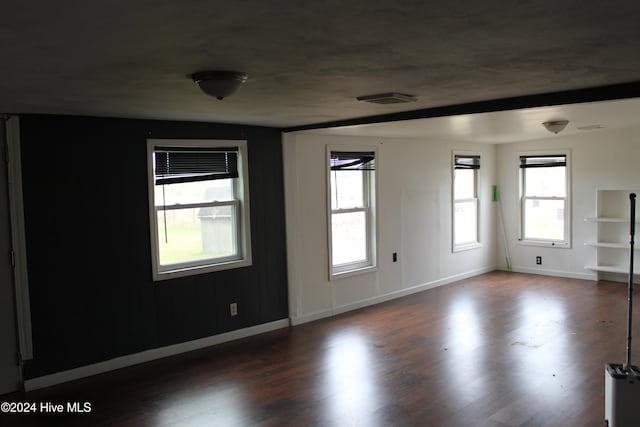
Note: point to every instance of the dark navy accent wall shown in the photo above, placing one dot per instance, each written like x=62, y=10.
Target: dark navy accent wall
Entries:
x=88, y=243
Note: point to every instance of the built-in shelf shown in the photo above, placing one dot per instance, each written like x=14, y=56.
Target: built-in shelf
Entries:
x=607, y=219
x=610, y=269
x=615, y=245
x=611, y=243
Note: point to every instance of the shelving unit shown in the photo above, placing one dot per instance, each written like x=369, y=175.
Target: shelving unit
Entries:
x=612, y=235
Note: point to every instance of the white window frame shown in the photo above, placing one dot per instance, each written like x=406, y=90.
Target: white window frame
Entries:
x=477, y=243
x=240, y=204
x=566, y=243
x=369, y=200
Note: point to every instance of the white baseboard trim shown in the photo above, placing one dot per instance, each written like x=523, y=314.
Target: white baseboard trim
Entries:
x=299, y=320
x=556, y=273
x=387, y=297
x=613, y=277
x=149, y=355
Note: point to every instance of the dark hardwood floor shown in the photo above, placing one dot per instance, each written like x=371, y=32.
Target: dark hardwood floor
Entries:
x=500, y=349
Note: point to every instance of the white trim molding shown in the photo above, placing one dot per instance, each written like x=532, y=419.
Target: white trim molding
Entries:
x=369, y=209
x=460, y=247
x=387, y=297
x=568, y=218
x=240, y=207
x=554, y=273
x=149, y=355
x=16, y=212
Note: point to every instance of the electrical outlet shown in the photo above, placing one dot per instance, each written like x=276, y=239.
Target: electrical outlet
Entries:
x=233, y=308
x=395, y=257
x=539, y=260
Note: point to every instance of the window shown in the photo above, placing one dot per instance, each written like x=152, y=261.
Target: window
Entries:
x=351, y=203
x=465, y=201
x=544, y=199
x=198, y=192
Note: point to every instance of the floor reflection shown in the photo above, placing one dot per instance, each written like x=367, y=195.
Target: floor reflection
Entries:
x=539, y=348
x=534, y=358
x=541, y=327
x=463, y=327
x=464, y=353
x=350, y=379
x=218, y=405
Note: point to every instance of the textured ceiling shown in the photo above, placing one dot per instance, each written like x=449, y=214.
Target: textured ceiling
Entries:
x=306, y=60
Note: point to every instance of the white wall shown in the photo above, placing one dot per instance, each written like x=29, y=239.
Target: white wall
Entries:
x=603, y=159
x=414, y=220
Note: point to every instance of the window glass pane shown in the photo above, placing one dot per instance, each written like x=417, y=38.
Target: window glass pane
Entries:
x=348, y=237
x=464, y=184
x=466, y=222
x=196, y=234
x=544, y=219
x=545, y=182
x=194, y=192
x=347, y=189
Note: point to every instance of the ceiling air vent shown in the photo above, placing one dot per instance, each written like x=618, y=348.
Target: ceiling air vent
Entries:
x=388, y=98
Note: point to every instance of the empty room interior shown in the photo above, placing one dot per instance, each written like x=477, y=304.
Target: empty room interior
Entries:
x=326, y=213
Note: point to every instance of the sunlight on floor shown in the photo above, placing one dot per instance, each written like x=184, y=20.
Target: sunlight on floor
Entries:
x=224, y=403
x=350, y=380
x=540, y=348
x=464, y=327
x=464, y=353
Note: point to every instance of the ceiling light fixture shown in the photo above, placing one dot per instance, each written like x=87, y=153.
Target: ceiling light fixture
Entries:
x=388, y=98
x=555, y=126
x=219, y=84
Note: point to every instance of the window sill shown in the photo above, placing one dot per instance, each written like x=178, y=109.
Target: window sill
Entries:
x=192, y=271
x=545, y=244
x=466, y=247
x=351, y=273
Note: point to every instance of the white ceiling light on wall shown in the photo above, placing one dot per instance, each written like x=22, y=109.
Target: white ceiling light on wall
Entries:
x=555, y=126
x=219, y=84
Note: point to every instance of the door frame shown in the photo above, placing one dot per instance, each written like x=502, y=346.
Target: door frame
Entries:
x=19, y=258
x=10, y=369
